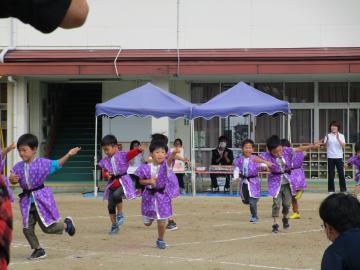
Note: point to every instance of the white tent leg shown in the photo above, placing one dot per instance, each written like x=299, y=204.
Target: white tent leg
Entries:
x=95, y=158
x=192, y=157
x=289, y=127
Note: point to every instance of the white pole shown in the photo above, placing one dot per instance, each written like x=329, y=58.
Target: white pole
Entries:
x=289, y=127
x=193, y=175
x=95, y=158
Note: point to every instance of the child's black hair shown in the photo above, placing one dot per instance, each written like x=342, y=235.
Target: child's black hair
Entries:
x=109, y=140
x=341, y=211
x=357, y=147
x=178, y=140
x=159, y=137
x=223, y=138
x=156, y=144
x=133, y=143
x=273, y=142
x=29, y=140
x=285, y=142
x=247, y=141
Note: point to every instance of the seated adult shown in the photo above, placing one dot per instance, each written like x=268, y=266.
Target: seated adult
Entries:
x=341, y=217
x=221, y=156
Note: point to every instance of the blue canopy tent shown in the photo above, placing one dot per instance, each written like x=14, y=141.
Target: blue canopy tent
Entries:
x=145, y=101
x=241, y=100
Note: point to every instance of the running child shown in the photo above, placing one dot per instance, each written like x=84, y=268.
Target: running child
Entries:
x=246, y=169
x=156, y=198
x=355, y=161
x=37, y=203
x=120, y=185
x=280, y=177
x=298, y=184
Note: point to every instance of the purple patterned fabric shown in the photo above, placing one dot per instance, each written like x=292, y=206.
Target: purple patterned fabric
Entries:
x=274, y=178
x=254, y=182
x=5, y=179
x=39, y=169
x=156, y=205
x=298, y=179
x=122, y=165
x=355, y=161
x=173, y=189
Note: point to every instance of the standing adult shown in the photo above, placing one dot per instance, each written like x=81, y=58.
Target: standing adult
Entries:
x=221, y=156
x=335, y=143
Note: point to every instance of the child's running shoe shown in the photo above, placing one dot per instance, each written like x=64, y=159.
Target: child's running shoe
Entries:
x=286, y=224
x=254, y=220
x=37, y=254
x=171, y=226
x=295, y=216
x=114, y=229
x=70, y=227
x=298, y=194
x=120, y=219
x=160, y=244
x=275, y=228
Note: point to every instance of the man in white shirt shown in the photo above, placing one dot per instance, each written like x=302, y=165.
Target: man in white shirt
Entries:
x=335, y=143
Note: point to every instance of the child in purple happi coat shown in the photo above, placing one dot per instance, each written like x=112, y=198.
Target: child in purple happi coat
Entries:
x=355, y=161
x=281, y=177
x=246, y=168
x=4, y=179
x=37, y=203
x=158, y=193
x=298, y=184
x=115, y=165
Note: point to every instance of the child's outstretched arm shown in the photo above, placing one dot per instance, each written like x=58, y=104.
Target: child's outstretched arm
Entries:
x=8, y=149
x=174, y=155
x=72, y=152
x=258, y=159
x=304, y=148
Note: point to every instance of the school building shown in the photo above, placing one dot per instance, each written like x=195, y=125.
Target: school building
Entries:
x=305, y=52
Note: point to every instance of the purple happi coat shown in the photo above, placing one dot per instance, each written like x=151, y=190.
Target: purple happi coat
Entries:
x=173, y=190
x=355, y=161
x=120, y=167
x=298, y=179
x=254, y=180
x=44, y=200
x=5, y=179
x=156, y=205
x=274, y=178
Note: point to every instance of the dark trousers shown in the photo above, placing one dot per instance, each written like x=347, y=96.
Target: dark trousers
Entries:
x=180, y=177
x=214, y=183
x=252, y=202
x=115, y=197
x=339, y=164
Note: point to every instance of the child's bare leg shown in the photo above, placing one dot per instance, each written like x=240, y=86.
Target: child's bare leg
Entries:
x=295, y=205
x=161, y=229
x=112, y=218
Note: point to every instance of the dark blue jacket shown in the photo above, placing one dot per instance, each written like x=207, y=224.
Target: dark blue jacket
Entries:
x=344, y=253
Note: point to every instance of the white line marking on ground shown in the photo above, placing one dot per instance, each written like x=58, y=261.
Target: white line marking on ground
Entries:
x=245, y=238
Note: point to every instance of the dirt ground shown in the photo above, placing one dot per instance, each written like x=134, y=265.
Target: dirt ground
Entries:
x=214, y=233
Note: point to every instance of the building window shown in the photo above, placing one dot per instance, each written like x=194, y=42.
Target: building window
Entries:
x=302, y=126
x=333, y=92
x=299, y=92
x=272, y=89
x=355, y=92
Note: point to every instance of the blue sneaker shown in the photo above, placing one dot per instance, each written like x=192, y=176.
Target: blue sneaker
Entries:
x=160, y=244
x=114, y=229
x=70, y=227
x=254, y=220
x=120, y=219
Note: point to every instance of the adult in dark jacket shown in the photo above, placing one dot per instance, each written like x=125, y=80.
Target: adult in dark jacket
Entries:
x=341, y=217
x=221, y=156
